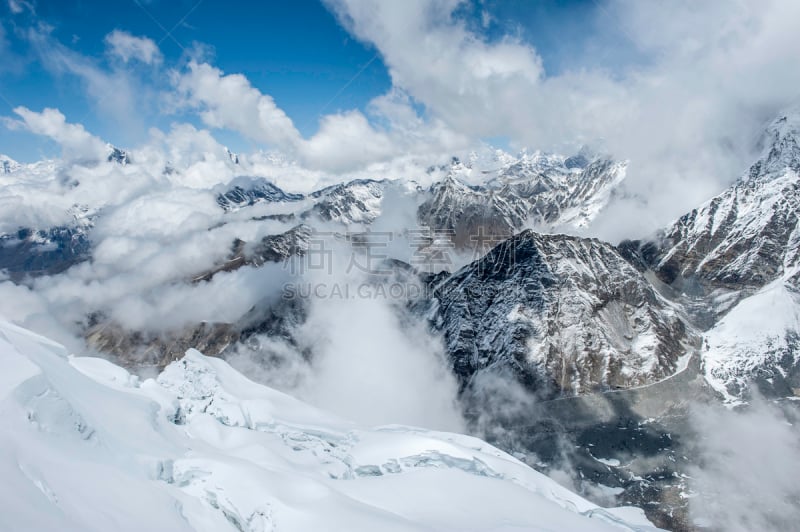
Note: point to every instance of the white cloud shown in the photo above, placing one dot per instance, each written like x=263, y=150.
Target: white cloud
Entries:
x=74, y=140
x=344, y=142
x=19, y=6
x=116, y=94
x=371, y=368
x=129, y=47
x=357, y=357
x=197, y=159
x=747, y=475
x=468, y=82
x=231, y=102
x=685, y=114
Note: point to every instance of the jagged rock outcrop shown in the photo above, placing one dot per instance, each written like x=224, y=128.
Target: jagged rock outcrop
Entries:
x=543, y=192
x=276, y=319
x=733, y=261
x=271, y=248
x=467, y=214
x=357, y=201
x=247, y=191
x=564, y=315
x=142, y=349
x=32, y=252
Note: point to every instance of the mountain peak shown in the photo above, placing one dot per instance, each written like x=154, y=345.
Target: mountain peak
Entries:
x=234, y=157
x=546, y=290
x=8, y=165
x=787, y=122
x=116, y=155
x=781, y=147
x=451, y=182
x=245, y=191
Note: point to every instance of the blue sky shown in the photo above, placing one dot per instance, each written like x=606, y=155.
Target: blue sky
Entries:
x=294, y=50
x=297, y=52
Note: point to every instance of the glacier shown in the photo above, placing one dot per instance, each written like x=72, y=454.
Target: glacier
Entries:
x=88, y=446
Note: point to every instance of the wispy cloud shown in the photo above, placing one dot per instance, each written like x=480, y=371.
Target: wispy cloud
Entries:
x=76, y=142
x=18, y=7
x=129, y=47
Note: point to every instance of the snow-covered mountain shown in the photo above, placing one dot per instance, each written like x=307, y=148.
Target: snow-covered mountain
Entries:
x=116, y=155
x=540, y=190
x=247, y=191
x=734, y=261
x=545, y=192
x=355, y=202
x=562, y=314
x=591, y=349
x=757, y=341
x=88, y=446
x=8, y=165
x=32, y=252
x=744, y=238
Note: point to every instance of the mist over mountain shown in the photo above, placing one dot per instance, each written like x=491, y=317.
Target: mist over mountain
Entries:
x=501, y=285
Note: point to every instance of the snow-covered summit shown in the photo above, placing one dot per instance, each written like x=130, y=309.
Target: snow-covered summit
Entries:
x=87, y=446
x=244, y=191
x=116, y=155
x=8, y=165
x=745, y=237
x=538, y=190
x=781, y=147
x=734, y=260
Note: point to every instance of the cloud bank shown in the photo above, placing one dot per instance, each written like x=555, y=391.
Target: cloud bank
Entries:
x=685, y=107
x=685, y=115
x=747, y=479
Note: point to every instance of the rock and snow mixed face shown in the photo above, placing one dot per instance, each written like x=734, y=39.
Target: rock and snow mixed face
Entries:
x=734, y=261
x=8, y=165
x=538, y=190
x=747, y=236
x=758, y=341
x=544, y=192
x=87, y=446
x=565, y=315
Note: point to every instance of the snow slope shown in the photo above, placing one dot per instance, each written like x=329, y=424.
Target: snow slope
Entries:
x=87, y=446
x=734, y=262
x=758, y=338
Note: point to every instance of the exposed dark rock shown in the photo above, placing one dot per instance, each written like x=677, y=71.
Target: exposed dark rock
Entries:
x=525, y=193
x=564, y=315
x=272, y=248
x=247, y=191
x=357, y=201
